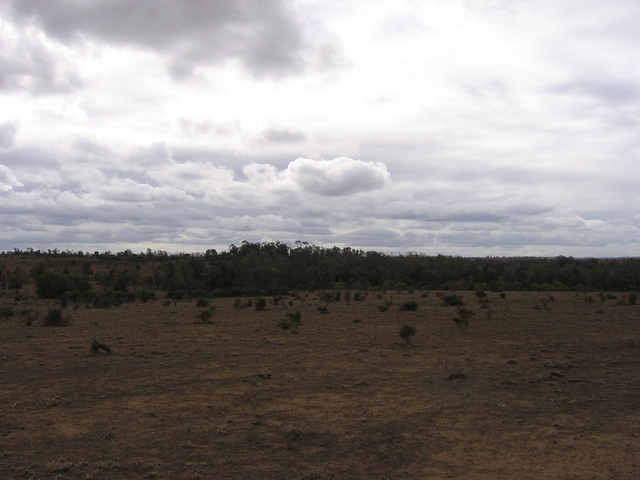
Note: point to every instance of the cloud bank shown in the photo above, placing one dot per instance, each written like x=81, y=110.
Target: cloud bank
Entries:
x=459, y=127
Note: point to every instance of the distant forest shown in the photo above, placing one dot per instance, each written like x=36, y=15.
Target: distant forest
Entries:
x=277, y=268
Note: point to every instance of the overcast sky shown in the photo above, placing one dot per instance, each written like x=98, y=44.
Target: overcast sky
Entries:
x=464, y=127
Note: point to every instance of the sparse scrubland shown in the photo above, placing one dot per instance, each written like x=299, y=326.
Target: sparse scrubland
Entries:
x=186, y=366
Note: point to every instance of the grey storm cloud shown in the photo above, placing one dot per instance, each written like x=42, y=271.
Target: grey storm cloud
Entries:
x=267, y=37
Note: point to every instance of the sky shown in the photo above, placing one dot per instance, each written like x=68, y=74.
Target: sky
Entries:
x=455, y=127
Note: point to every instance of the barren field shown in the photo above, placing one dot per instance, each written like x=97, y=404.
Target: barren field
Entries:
x=528, y=392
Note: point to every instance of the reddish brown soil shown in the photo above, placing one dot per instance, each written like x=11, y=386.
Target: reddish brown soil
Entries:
x=526, y=394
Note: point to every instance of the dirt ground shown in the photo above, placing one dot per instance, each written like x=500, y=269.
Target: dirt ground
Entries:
x=528, y=392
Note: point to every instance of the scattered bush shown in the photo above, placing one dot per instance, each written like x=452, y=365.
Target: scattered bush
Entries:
x=323, y=310
x=452, y=300
x=6, y=310
x=409, y=306
x=178, y=295
x=54, y=318
x=503, y=295
x=205, y=315
x=406, y=332
x=260, y=303
x=145, y=295
x=359, y=296
x=291, y=322
x=385, y=306
x=330, y=297
x=203, y=303
x=464, y=318
x=632, y=298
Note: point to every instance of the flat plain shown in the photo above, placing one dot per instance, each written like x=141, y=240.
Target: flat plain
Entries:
x=540, y=386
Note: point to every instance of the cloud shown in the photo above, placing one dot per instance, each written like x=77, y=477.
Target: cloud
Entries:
x=338, y=177
x=276, y=135
x=266, y=38
x=7, y=134
x=7, y=179
x=615, y=92
x=28, y=63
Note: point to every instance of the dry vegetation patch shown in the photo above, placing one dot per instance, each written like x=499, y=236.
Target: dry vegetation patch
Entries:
x=525, y=392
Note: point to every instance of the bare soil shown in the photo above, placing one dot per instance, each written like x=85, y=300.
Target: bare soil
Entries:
x=527, y=392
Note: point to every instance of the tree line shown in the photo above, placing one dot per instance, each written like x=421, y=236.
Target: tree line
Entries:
x=278, y=268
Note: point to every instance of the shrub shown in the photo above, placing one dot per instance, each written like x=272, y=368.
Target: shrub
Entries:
x=260, y=303
x=385, y=306
x=6, y=310
x=291, y=322
x=54, y=318
x=330, y=296
x=205, y=315
x=464, y=318
x=407, y=332
x=323, y=310
x=409, y=306
x=503, y=295
x=452, y=300
x=51, y=284
x=145, y=295
x=359, y=296
x=202, y=303
x=632, y=298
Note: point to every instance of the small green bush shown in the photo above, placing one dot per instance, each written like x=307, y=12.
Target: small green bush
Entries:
x=409, y=306
x=464, y=317
x=452, y=300
x=291, y=322
x=406, y=332
x=205, y=315
x=385, y=306
x=260, y=303
x=145, y=295
x=6, y=310
x=359, y=296
x=54, y=318
x=202, y=303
